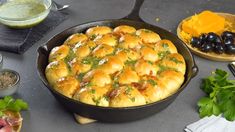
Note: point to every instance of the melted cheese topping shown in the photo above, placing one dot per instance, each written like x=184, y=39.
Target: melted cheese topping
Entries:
x=118, y=68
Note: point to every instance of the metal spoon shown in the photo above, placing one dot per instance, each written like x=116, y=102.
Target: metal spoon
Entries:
x=58, y=7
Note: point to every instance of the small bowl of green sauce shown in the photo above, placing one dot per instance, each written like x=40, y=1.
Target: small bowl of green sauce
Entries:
x=23, y=13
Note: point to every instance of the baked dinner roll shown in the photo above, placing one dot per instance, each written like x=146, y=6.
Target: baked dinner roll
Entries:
x=113, y=64
x=97, y=78
x=126, y=96
x=149, y=54
x=148, y=36
x=128, y=76
x=59, y=53
x=172, y=80
x=98, y=30
x=56, y=70
x=143, y=67
x=122, y=55
x=93, y=95
x=78, y=67
x=91, y=44
x=173, y=61
x=82, y=51
x=102, y=50
x=108, y=39
x=67, y=86
x=129, y=41
x=124, y=29
x=153, y=91
x=164, y=47
x=75, y=38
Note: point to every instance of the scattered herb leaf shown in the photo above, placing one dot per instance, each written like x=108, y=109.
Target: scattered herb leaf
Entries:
x=9, y=103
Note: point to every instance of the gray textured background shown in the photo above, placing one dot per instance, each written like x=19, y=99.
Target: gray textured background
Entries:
x=47, y=115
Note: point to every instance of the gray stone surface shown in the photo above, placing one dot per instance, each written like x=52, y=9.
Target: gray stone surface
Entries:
x=47, y=115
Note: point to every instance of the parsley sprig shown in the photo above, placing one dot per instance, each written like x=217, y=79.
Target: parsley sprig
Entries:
x=220, y=97
x=11, y=104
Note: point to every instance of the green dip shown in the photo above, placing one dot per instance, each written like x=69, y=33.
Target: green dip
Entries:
x=21, y=9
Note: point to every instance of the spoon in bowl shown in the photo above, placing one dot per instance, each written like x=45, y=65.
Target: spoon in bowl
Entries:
x=58, y=7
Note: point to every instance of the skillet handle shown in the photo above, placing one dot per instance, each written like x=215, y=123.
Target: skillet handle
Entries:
x=194, y=70
x=134, y=15
x=42, y=50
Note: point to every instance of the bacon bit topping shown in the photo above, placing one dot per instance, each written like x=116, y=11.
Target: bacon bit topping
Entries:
x=114, y=93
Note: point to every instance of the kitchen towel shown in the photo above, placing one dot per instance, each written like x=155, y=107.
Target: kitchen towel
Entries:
x=19, y=40
x=211, y=124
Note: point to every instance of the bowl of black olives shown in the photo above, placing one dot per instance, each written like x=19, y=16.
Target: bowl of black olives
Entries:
x=212, y=42
x=213, y=46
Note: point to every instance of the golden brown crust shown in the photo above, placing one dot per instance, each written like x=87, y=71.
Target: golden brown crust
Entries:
x=148, y=36
x=67, y=86
x=98, y=30
x=127, y=96
x=123, y=29
x=58, y=53
x=56, y=70
x=75, y=39
x=106, y=63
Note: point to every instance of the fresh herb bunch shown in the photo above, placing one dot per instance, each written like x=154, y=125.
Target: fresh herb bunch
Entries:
x=11, y=104
x=220, y=96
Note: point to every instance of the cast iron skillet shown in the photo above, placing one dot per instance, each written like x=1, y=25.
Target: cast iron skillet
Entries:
x=109, y=114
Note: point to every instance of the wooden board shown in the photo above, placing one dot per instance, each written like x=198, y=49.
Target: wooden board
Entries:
x=210, y=55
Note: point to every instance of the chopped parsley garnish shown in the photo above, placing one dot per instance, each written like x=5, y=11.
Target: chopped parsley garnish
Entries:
x=93, y=91
x=147, y=31
x=150, y=62
x=80, y=76
x=165, y=45
x=164, y=68
x=91, y=60
x=89, y=84
x=163, y=54
x=106, y=98
x=96, y=101
x=93, y=36
x=132, y=99
x=71, y=55
x=115, y=85
x=128, y=90
x=152, y=82
x=130, y=62
x=175, y=60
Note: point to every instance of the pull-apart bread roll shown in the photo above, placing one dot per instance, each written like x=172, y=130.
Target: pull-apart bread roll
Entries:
x=120, y=67
x=126, y=96
x=67, y=86
x=75, y=39
x=56, y=70
x=123, y=29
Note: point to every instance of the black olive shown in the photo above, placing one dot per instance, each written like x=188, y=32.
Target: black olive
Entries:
x=195, y=42
x=219, y=48
x=227, y=35
x=230, y=49
x=228, y=41
x=206, y=47
x=202, y=38
x=212, y=37
x=218, y=40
